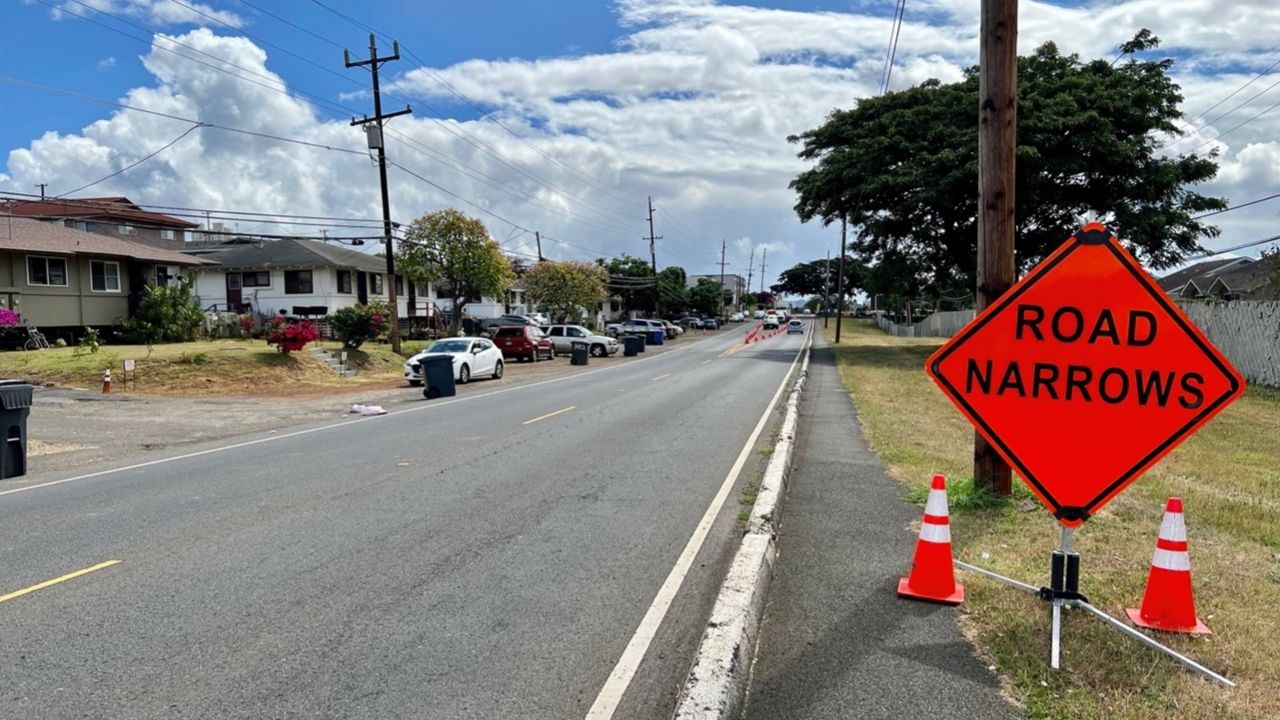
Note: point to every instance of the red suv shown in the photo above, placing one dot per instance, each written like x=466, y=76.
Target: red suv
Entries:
x=525, y=342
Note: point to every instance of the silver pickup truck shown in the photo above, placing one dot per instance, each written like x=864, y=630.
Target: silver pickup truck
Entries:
x=564, y=336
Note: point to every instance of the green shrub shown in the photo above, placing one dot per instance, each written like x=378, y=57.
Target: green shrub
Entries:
x=358, y=324
x=167, y=314
x=89, y=343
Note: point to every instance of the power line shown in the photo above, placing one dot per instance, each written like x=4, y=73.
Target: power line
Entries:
x=895, y=30
x=1235, y=92
x=1237, y=207
x=133, y=165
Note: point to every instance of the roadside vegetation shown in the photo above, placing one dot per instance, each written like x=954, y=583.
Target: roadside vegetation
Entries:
x=206, y=367
x=1228, y=475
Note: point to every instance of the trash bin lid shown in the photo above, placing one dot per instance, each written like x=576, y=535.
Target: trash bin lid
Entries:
x=15, y=394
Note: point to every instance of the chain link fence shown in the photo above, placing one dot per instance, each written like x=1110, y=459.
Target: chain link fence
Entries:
x=939, y=324
x=1247, y=332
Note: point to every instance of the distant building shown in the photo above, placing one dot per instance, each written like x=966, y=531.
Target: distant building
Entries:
x=1226, y=279
x=733, y=283
x=115, y=216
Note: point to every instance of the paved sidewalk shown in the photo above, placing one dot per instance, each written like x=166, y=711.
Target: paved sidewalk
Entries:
x=836, y=641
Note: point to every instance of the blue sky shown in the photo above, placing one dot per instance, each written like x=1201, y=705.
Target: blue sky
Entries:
x=689, y=101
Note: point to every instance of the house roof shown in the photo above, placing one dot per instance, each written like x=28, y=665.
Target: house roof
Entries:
x=1249, y=278
x=116, y=207
x=237, y=254
x=20, y=234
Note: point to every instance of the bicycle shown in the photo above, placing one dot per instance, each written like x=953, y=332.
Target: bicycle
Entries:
x=35, y=340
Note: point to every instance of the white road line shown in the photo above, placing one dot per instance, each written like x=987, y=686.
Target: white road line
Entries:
x=615, y=687
x=343, y=423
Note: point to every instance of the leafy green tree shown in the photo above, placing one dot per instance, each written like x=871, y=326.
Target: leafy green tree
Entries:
x=166, y=314
x=903, y=167
x=673, y=293
x=750, y=301
x=566, y=287
x=810, y=278
x=631, y=279
x=708, y=296
x=456, y=253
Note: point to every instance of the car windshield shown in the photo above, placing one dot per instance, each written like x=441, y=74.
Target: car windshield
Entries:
x=449, y=346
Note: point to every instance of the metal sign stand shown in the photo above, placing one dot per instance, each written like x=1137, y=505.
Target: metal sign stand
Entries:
x=1063, y=592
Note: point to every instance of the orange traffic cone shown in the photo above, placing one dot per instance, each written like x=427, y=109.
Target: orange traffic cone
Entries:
x=932, y=576
x=1168, y=604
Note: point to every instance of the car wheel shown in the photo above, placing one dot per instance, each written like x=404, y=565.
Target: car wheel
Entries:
x=497, y=371
x=597, y=350
x=464, y=374
x=415, y=383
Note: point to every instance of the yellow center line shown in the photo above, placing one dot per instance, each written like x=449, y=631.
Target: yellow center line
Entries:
x=553, y=414
x=55, y=581
x=663, y=375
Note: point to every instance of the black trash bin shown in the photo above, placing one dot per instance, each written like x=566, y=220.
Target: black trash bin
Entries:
x=580, y=353
x=437, y=377
x=643, y=341
x=15, y=407
x=631, y=345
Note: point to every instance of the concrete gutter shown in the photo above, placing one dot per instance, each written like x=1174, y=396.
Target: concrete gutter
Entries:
x=718, y=680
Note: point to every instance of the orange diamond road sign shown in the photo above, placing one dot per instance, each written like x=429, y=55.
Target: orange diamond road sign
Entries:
x=1084, y=374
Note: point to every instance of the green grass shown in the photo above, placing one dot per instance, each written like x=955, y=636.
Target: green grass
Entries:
x=1228, y=475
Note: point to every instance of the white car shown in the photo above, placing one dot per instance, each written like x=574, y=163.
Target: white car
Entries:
x=760, y=314
x=771, y=322
x=539, y=319
x=472, y=357
x=736, y=317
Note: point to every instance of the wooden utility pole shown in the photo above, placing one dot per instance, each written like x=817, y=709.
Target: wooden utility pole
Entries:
x=373, y=129
x=722, y=264
x=844, y=231
x=764, y=257
x=537, y=236
x=997, y=137
x=653, y=255
x=751, y=269
x=826, y=292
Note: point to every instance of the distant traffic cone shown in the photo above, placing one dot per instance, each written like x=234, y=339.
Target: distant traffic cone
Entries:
x=932, y=576
x=1168, y=603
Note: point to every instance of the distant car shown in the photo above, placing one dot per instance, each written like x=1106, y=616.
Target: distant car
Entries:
x=672, y=330
x=641, y=326
x=691, y=322
x=795, y=326
x=771, y=322
x=759, y=314
x=471, y=357
x=613, y=330
x=564, y=336
x=539, y=319
x=710, y=323
x=737, y=317
x=524, y=342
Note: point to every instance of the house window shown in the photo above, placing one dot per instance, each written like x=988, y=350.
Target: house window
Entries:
x=256, y=279
x=297, y=282
x=126, y=229
x=46, y=271
x=166, y=234
x=344, y=281
x=104, y=276
x=162, y=275
x=375, y=282
x=399, y=286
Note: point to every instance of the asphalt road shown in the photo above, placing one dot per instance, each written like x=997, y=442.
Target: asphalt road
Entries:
x=486, y=557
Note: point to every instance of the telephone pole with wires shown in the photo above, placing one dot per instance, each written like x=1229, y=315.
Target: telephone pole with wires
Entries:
x=826, y=292
x=373, y=129
x=840, y=278
x=653, y=253
x=537, y=237
x=722, y=264
x=42, y=186
x=751, y=268
x=763, y=258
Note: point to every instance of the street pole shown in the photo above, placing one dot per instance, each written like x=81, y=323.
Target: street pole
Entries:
x=722, y=263
x=373, y=128
x=826, y=293
x=997, y=134
x=763, y=258
x=840, y=279
x=653, y=256
x=751, y=268
x=537, y=236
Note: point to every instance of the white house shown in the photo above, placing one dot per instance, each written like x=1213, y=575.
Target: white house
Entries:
x=300, y=277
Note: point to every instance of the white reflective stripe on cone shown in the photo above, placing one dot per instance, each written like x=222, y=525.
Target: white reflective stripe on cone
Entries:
x=1173, y=527
x=937, y=504
x=1177, y=560
x=935, y=533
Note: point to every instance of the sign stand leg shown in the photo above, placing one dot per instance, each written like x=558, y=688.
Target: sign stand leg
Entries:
x=1064, y=576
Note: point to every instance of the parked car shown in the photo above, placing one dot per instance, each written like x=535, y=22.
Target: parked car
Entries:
x=613, y=330
x=639, y=326
x=691, y=322
x=472, y=357
x=710, y=323
x=673, y=330
x=539, y=319
x=771, y=322
x=795, y=326
x=564, y=336
x=737, y=317
x=525, y=342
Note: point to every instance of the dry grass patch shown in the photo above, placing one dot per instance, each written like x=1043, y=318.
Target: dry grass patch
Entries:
x=1228, y=475
x=213, y=367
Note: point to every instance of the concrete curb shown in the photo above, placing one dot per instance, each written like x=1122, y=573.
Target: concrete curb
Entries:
x=718, y=679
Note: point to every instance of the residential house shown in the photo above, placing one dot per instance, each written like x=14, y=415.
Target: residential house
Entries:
x=298, y=276
x=114, y=216
x=60, y=278
x=1240, y=278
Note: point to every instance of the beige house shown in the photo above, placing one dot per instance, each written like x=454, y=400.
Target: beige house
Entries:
x=114, y=216
x=59, y=277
